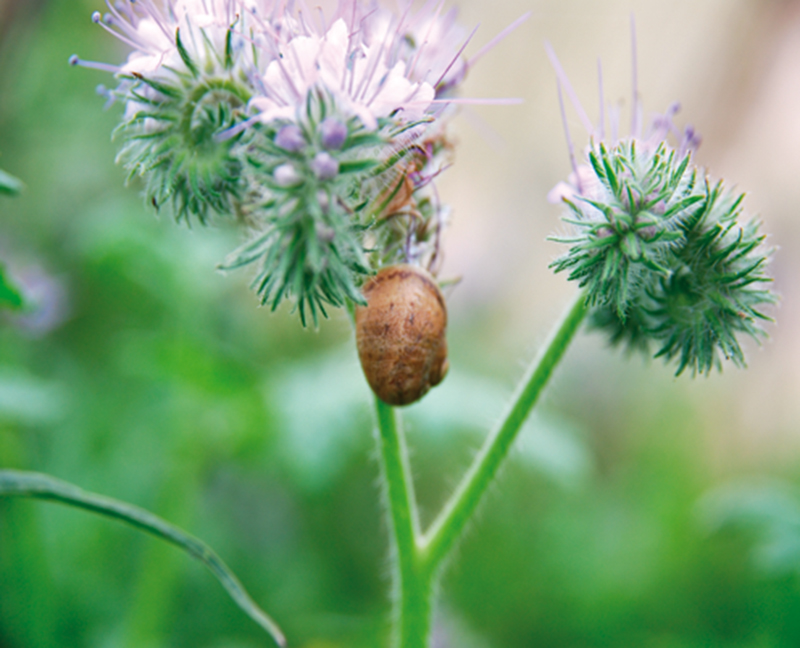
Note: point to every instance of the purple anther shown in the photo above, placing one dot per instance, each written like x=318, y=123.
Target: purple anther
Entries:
x=332, y=133
x=290, y=138
x=96, y=17
x=74, y=60
x=325, y=166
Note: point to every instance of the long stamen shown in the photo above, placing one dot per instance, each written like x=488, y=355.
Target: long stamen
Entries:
x=296, y=57
x=275, y=54
x=302, y=13
x=97, y=19
x=353, y=72
x=376, y=61
x=425, y=40
x=124, y=7
x=127, y=28
x=497, y=39
x=157, y=17
x=347, y=58
x=94, y=65
x=273, y=39
x=456, y=57
x=116, y=13
x=570, y=145
x=477, y=101
x=564, y=80
x=171, y=8
x=322, y=19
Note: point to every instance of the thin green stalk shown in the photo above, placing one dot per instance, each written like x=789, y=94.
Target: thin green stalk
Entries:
x=413, y=582
x=450, y=523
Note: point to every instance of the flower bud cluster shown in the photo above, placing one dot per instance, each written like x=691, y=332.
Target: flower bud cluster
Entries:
x=322, y=135
x=666, y=263
x=664, y=258
x=186, y=79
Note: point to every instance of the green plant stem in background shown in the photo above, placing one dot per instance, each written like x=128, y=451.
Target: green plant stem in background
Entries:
x=419, y=557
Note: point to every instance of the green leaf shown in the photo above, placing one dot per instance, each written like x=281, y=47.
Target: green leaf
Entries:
x=9, y=184
x=16, y=483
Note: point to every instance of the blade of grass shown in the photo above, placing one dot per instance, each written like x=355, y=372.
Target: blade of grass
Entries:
x=16, y=483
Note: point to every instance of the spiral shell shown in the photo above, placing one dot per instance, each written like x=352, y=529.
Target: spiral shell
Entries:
x=400, y=334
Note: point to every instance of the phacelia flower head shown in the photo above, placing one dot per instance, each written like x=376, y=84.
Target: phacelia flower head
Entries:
x=321, y=132
x=656, y=245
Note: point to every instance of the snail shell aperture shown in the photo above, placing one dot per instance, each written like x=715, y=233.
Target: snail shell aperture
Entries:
x=400, y=334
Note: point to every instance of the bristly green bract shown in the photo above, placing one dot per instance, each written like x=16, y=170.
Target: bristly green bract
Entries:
x=170, y=141
x=310, y=187
x=314, y=209
x=321, y=137
x=664, y=259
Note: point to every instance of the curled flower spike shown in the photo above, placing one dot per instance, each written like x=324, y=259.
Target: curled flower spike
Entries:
x=186, y=79
x=658, y=247
x=321, y=133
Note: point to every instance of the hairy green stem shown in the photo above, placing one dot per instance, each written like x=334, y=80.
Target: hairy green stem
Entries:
x=419, y=557
x=413, y=580
x=449, y=525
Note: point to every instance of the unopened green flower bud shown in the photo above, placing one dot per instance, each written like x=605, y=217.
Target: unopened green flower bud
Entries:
x=659, y=250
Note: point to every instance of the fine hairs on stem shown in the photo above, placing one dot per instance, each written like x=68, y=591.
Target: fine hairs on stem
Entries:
x=421, y=556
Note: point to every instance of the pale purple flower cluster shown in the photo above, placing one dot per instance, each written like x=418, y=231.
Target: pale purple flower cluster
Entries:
x=374, y=63
x=298, y=122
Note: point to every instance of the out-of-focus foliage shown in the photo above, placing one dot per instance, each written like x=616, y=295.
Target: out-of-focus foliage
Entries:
x=9, y=185
x=10, y=296
x=768, y=512
x=155, y=380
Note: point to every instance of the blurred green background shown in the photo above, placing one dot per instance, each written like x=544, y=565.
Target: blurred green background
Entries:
x=637, y=510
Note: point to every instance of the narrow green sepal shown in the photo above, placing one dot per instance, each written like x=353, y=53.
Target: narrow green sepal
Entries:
x=229, y=50
x=162, y=88
x=187, y=60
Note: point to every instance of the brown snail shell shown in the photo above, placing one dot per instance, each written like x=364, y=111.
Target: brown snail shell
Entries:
x=400, y=334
